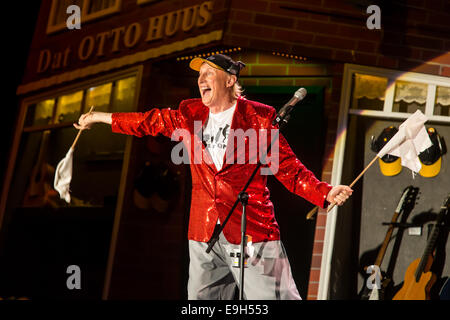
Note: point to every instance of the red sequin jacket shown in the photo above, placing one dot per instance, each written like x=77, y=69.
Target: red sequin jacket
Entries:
x=214, y=192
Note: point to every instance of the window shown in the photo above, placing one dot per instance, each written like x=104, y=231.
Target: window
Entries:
x=90, y=9
x=442, y=104
x=48, y=134
x=393, y=94
x=409, y=96
x=368, y=92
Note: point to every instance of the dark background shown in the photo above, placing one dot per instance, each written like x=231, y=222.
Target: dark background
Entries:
x=18, y=24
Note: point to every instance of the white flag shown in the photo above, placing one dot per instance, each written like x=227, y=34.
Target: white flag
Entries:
x=410, y=140
x=63, y=176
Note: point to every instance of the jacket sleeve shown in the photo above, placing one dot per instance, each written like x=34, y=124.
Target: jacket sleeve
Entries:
x=295, y=176
x=152, y=122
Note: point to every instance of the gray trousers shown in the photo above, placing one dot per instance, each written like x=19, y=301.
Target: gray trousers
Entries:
x=267, y=275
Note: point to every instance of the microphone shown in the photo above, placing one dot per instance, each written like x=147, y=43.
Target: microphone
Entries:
x=287, y=108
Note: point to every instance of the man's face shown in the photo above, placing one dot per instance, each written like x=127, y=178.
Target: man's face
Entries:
x=213, y=85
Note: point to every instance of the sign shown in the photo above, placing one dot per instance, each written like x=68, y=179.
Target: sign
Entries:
x=113, y=41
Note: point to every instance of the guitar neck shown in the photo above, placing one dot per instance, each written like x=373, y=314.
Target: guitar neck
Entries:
x=387, y=238
x=431, y=242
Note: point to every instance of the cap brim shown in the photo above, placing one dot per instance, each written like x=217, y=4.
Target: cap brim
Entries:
x=196, y=64
x=432, y=170
x=390, y=169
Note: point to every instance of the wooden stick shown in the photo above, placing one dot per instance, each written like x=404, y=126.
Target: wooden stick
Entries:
x=79, y=132
x=314, y=210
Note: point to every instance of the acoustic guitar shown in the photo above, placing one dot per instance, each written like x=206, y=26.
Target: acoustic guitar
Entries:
x=418, y=277
x=406, y=203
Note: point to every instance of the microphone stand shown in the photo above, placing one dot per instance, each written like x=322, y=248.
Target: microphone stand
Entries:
x=281, y=120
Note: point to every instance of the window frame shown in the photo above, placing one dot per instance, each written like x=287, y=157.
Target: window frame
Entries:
x=394, y=75
x=136, y=71
x=85, y=17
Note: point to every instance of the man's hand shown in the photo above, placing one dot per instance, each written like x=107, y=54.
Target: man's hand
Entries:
x=339, y=194
x=88, y=119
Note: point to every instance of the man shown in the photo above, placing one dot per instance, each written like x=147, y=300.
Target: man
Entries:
x=218, y=178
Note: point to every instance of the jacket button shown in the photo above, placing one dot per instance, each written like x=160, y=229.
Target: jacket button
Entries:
x=217, y=178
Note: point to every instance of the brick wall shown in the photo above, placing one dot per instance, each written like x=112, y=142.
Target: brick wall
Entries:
x=414, y=37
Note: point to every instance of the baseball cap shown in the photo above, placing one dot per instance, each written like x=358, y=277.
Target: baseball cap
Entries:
x=431, y=158
x=389, y=165
x=218, y=61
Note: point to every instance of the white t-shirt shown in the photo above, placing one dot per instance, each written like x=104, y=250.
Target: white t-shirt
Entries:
x=215, y=134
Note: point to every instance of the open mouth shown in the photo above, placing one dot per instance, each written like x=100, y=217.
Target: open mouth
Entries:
x=205, y=90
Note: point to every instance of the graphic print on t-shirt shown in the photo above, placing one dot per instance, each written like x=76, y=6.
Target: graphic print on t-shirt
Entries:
x=215, y=134
x=217, y=140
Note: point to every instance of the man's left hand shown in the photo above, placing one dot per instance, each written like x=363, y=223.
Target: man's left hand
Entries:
x=339, y=194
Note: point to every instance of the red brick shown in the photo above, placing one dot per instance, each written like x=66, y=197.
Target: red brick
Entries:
x=319, y=17
x=313, y=289
x=328, y=165
x=360, y=33
x=319, y=234
x=393, y=37
x=395, y=50
x=415, y=66
x=313, y=5
x=318, y=247
x=316, y=27
x=366, y=59
x=424, y=42
x=416, y=15
x=245, y=16
x=342, y=6
x=321, y=220
x=434, y=4
x=250, y=5
x=314, y=275
x=417, y=3
x=343, y=55
x=437, y=57
x=334, y=42
x=337, y=68
x=248, y=57
x=438, y=19
x=270, y=45
x=366, y=46
x=387, y=62
x=284, y=10
x=236, y=41
x=315, y=261
x=251, y=30
x=265, y=58
x=313, y=52
x=293, y=36
x=447, y=45
x=445, y=71
x=276, y=21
